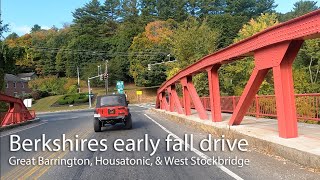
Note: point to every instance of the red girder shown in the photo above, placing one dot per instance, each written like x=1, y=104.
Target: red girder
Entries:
x=274, y=48
x=17, y=111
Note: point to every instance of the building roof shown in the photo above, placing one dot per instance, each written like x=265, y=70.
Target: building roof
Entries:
x=11, y=77
x=23, y=75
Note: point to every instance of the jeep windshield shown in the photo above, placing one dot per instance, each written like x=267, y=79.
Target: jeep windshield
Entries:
x=112, y=101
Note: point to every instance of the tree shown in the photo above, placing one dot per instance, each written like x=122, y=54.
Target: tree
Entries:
x=12, y=36
x=89, y=19
x=35, y=28
x=129, y=10
x=249, y=8
x=256, y=25
x=172, y=9
x=111, y=9
x=3, y=28
x=302, y=7
x=192, y=40
x=4, y=60
x=210, y=7
x=228, y=27
x=151, y=46
x=149, y=9
x=309, y=60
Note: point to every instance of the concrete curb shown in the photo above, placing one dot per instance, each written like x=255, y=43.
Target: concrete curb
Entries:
x=20, y=124
x=305, y=159
x=53, y=112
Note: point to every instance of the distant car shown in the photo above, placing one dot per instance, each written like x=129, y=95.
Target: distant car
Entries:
x=110, y=110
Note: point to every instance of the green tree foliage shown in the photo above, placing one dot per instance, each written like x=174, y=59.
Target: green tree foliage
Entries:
x=192, y=40
x=111, y=9
x=151, y=46
x=228, y=27
x=89, y=19
x=35, y=28
x=12, y=36
x=257, y=25
x=249, y=8
x=300, y=8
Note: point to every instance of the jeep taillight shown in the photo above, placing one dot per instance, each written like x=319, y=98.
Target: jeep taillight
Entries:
x=122, y=110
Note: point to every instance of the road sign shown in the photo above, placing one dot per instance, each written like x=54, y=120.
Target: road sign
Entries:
x=120, y=91
x=120, y=87
x=27, y=103
x=139, y=92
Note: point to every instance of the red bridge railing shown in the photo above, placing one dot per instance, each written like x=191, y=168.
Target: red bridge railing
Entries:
x=307, y=105
x=273, y=49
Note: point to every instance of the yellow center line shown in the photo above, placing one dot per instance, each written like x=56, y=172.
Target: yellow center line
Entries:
x=44, y=170
x=36, y=168
x=18, y=171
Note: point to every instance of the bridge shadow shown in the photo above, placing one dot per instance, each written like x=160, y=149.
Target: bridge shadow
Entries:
x=121, y=127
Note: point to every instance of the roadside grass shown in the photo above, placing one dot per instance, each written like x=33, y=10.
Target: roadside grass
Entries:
x=44, y=105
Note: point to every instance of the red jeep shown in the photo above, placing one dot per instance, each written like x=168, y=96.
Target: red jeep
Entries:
x=111, y=109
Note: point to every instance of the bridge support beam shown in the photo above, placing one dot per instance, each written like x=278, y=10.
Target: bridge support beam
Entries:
x=214, y=93
x=284, y=91
x=280, y=58
x=174, y=100
x=186, y=101
x=191, y=90
x=248, y=95
x=163, y=101
x=17, y=112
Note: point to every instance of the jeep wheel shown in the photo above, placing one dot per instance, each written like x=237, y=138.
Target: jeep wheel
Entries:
x=97, y=125
x=128, y=123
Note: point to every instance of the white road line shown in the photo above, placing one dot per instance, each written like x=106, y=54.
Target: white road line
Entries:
x=223, y=168
x=19, y=130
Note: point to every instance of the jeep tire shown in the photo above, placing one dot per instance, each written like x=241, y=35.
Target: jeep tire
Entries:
x=96, y=125
x=128, y=123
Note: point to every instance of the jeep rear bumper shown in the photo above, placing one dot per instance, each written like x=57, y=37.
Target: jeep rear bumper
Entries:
x=112, y=120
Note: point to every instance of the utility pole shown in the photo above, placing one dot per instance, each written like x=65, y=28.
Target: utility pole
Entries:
x=89, y=89
x=106, y=78
x=78, y=73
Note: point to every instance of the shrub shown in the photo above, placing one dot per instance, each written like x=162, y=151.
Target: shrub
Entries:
x=83, y=100
x=72, y=89
x=39, y=94
x=62, y=102
x=73, y=98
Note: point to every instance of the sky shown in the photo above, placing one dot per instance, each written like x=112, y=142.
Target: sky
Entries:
x=21, y=15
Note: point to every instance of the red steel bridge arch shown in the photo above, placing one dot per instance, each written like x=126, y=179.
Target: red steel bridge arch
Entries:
x=274, y=48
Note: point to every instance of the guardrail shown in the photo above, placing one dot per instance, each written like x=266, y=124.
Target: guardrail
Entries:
x=307, y=106
x=17, y=117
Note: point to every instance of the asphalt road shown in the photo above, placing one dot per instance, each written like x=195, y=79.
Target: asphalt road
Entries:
x=144, y=122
